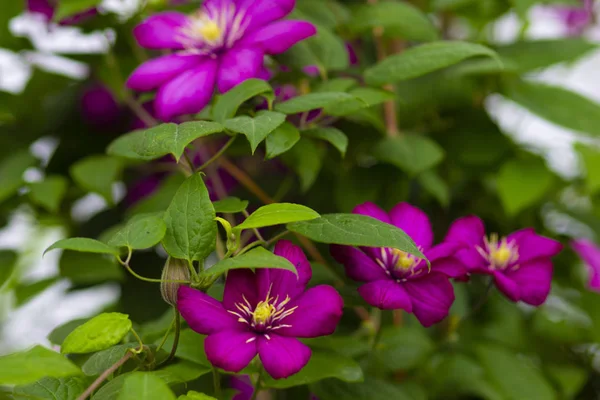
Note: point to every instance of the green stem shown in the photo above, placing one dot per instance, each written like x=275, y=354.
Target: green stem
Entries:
x=249, y=247
x=275, y=238
x=163, y=341
x=137, y=337
x=257, y=385
x=217, y=383
x=143, y=278
x=189, y=161
x=218, y=154
x=176, y=339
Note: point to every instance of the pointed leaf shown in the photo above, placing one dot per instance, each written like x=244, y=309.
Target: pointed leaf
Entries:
x=255, y=258
x=97, y=174
x=277, y=214
x=230, y=205
x=103, y=360
x=29, y=366
x=59, y=389
x=12, y=169
x=313, y=101
x=332, y=135
x=145, y=385
x=49, y=192
x=85, y=245
x=141, y=232
x=281, y=140
x=256, y=129
x=411, y=153
x=227, y=105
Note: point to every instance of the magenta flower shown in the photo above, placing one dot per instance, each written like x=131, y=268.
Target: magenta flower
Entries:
x=47, y=8
x=576, y=19
x=590, y=254
x=520, y=263
x=397, y=280
x=223, y=44
x=99, y=107
x=263, y=313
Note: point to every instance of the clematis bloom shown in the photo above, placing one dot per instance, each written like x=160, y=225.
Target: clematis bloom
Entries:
x=576, y=19
x=398, y=280
x=48, y=7
x=222, y=45
x=519, y=263
x=590, y=254
x=263, y=312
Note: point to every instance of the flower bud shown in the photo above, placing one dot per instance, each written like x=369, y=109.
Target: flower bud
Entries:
x=175, y=270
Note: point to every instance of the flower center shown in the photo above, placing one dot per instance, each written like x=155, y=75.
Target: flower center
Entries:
x=262, y=313
x=404, y=261
x=202, y=29
x=499, y=252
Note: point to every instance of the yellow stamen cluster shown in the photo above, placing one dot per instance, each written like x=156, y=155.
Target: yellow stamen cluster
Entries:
x=404, y=261
x=499, y=253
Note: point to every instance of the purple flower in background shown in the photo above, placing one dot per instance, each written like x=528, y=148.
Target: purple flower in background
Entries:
x=576, y=19
x=590, y=254
x=99, y=107
x=398, y=280
x=47, y=8
x=244, y=387
x=520, y=263
x=263, y=312
x=221, y=45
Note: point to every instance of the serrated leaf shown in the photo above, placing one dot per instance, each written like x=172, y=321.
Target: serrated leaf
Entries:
x=227, y=105
x=423, y=59
x=99, y=333
x=255, y=258
x=12, y=169
x=281, y=140
x=313, y=101
x=97, y=174
x=411, y=153
x=256, y=129
x=355, y=230
x=277, y=214
x=141, y=232
x=51, y=388
x=145, y=385
x=85, y=245
x=337, y=138
x=103, y=360
x=49, y=192
x=156, y=142
x=230, y=205
x=191, y=229
x=31, y=365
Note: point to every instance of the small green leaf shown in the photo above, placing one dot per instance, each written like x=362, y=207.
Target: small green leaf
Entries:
x=12, y=169
x=103, y=360
x=192, y=395
x=255, y=258
x=281, y=140
x=436, y=186
x=97, y=174
x=355, y=230
x=321, y=365
x=313, y=101
x=326, y=50
x=306, y=159
x=423, y=59
x=591, y=161
x=191, y=229
x=256, y=129
x=145, y=385
x=8, y=260
x=277, y=214
x=522, y=183
x=332, y=135
x=85, y=245
x=411, y=153
x=141, y=232
x=227, y=105
x=364, y=97
x=29, y=366
x=156, y=142
x=230, y=205
x=59, y=389
x=89, y=268
x=99, y=333
x=69, y=8
x=49, y=192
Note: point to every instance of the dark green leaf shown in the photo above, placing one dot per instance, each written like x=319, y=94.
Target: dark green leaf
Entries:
x=325, y=50
x=160, y=199
x=11, y=172
x=141, y=232
x=190, y=347
x=571, y=378
x=49, y=192
x=313, y=101
x=255, y=258
x=85, y=245
x=227, y=105
x=8, y=260
x=51, y=388
x=145, y=385
x=29, y=366
x=436, y=186
x=306, y=158
x=97, y=174
x=277, y=214
x=591, y=161
x=99, y=333
x=182, y=371
x=69, y=8
x=191, y=229
x=411, y=153
x=531, y=55
x=103, y=360
x=230, y=205
x=403, y=348
x=332, y=135
x=89, y=268
x=281, y=140
x=371, y=389
x=256, y=129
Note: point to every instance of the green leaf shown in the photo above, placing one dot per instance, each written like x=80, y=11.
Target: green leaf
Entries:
x=8, y=260
x=192, y=395
x=230, y=205
x=355, y=230
x=523, y=183
x=256, y=129
x=258, y=257
x=281, y=140
x=181, y=372
x=313, y=101
x=51, y=388
x=591, y=161
x=515, y=376
x=69, y=8
x=145, y=385
x=436, y=186
x=398, y=20
x=364, y=97
x=60, y=333
x=85, y=245
x=161, y=140
x=99, y=333
x=306, y=159
x=277, y=214
x=423, y=59
x=12, y=169
x=555, y=104
x=31, y=365
x=326, y=50
x=571, y=378
x=227, y=105
x=97, y=174
x=403, y=348
x=103, y=360
x=332, y=135
x=89, y=268
x=25, y=292
x=370, y=389
x=191, y=229
x=49, y=192
x=141, y=232
x=160, y=199
x=190, y=347
x=321, y=365
x=336, y=85
x=413, y=154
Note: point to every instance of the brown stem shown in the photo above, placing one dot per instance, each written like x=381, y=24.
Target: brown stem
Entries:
x=105, y=375
x=245, y=180
x=140, y=112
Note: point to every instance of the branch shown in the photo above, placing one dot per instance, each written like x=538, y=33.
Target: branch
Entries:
x=105, y=375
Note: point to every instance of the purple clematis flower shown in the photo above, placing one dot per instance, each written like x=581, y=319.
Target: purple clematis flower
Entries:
x=263, y=312
x=99, y=107
x=590, y=254
x=223, y=44
x=47, y=9
x=520, y=263
x=576, y=19
x=397, y=280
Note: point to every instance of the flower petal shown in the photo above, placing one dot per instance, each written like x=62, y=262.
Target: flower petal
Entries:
x=278, y=37
x=318, y=313
x=282, y=283
x=158, y=71
x=282, y=356
x=431, y=296
x=414, y=222
x=231, y=350
x=372, y=210
x=442, y=250
x=240, y=286
x=590, y=254
x=188, y=93
x=534, y=280
x=507, y=286
x=204, y=314
x=467, y=230
x=237, y=65
x=161, y=31
x=261, y=12
x=532, y=245
x=358, y=265
x=386, y=294
x=449, y=266
x=41, y=7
